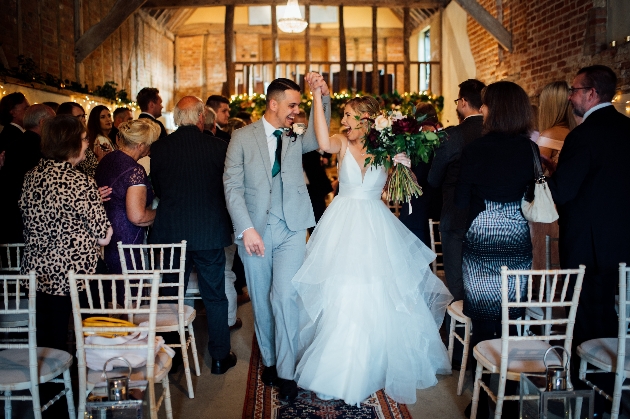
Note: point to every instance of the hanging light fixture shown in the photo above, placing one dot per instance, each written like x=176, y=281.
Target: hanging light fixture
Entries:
x=292, y=21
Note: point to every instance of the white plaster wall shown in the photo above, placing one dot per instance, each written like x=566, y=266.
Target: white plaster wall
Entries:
x=457, y=60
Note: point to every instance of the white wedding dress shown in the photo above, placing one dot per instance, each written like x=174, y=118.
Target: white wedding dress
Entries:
x=370, y=307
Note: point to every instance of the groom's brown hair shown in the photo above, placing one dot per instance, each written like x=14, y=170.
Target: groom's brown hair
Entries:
x=277, y=87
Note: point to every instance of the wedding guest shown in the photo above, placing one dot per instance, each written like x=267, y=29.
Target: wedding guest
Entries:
x=221, y=106
x=444, y=173
x=120, y=115
x=495, y=171
x=87, y=165
x=99, y=125
x=186, y=172
x=52, y=105
x=129, y=208
x=150, y=103
x=415, y=214
x=210, y=125
x=588, y=188
x=61, y=207
x=555, y=121
x=234, y=124
x=13, y=107
x=245, y=116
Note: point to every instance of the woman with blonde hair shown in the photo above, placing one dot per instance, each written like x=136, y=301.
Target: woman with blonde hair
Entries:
x=555, y=121
x=129, y=209
x=371, y=306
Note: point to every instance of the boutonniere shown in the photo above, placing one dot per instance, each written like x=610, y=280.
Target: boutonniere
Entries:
x=295, y=130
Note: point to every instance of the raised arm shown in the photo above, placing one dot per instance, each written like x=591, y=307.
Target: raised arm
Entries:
x=320, y=124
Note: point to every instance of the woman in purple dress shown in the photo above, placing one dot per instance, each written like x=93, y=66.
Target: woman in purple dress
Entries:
x=129, y=209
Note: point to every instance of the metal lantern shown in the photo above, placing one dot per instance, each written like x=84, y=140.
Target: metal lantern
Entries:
x=536, y=402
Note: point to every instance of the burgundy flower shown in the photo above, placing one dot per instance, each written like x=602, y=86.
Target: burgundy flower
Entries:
x=373, y=138
x=403, y=125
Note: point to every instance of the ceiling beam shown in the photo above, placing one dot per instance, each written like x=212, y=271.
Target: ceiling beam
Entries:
x=488, y=22
x=167, y=4
x=97, y=34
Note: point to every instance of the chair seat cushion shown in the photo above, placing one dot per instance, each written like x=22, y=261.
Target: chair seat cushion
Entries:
x=456, y=311
x=14, y=320
x=602, y=353
x=15, y=373
x=523, y=356
x=167, y=317
x=163, y=364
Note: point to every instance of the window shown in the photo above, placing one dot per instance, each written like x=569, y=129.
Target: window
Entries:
x=424, y=54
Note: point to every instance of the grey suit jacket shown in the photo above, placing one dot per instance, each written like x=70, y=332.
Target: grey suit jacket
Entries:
x=247, y=177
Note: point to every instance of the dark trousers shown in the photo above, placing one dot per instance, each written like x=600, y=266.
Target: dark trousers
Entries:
x=452, y=256
x=210, y=266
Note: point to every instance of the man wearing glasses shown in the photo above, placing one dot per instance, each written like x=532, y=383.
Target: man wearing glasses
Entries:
x=591, y=190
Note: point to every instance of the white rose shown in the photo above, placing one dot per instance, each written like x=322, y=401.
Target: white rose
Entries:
x=397, y=115
x=299, y=128
x=381, y=122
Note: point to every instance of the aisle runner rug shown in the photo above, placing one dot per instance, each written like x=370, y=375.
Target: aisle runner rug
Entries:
x=261, y=402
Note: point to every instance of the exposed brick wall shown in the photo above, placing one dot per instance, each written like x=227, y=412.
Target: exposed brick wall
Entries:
x=551, y=40
x=48, y=39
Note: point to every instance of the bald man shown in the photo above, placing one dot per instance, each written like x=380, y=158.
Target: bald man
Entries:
x=187, y=173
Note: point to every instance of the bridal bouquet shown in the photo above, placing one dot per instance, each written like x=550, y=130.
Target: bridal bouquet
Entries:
x=393, y=133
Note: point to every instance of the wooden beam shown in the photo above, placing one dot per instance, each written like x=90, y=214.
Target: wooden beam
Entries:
x=406, y=35
x=343, y=59
x=204, y=67
x=488, y=22
x=94, y=37
x=229, y=50
x=78, y=31
x=19, y=27
x=274, y=43
x=170, y=4
x=374, y=51
x=307, y=39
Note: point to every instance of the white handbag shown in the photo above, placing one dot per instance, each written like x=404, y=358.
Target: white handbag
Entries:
x=537, y=204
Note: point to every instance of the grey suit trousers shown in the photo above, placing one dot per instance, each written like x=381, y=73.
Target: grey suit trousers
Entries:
x=274, y=299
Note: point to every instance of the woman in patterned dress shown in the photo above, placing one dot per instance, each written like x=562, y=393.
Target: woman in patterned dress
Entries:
x=495, y=171
x=64, y=223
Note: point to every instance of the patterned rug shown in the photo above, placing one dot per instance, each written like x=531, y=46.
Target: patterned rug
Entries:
x=261, y=402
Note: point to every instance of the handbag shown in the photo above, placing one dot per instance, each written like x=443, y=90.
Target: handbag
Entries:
x=537, y=204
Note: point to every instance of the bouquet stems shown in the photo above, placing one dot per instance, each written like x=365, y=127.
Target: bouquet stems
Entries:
x=402, y=185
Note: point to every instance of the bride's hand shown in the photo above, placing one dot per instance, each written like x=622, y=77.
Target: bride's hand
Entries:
x=401, y=158
x=316, y=82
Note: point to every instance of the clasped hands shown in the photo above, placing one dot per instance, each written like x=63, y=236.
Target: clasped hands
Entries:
x=316, y=81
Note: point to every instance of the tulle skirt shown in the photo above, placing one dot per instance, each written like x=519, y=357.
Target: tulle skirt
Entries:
x=370, y=307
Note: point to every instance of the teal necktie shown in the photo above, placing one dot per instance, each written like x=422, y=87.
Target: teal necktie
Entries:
x=276, y=164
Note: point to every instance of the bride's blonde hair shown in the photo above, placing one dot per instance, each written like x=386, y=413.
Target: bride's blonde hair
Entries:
x=365, y=104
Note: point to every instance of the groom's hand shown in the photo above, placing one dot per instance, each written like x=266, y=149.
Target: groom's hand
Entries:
x=315, y=81
x=253, y=242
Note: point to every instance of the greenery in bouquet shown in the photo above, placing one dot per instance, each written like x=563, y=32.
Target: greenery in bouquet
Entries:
x=393, y=133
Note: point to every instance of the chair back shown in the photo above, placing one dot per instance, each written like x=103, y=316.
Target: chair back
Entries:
x=161, y=258
x=535, y=295
x=624, y=320
x=95, y=292
x=436, y=245
x=11, y=256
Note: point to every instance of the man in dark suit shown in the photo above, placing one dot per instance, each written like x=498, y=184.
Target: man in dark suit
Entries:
x=590, y=188
x=12, y=110
x=150, y=104
x=120, y=115
x=221, y=107
x=187, y=173
x=444, y=173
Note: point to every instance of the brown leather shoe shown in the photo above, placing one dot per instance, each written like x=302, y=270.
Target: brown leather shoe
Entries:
x=237, y=325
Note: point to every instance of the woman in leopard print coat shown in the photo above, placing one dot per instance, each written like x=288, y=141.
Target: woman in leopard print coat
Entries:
x=64, y=225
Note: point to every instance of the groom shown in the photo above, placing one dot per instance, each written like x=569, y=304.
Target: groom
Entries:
x=270, y=208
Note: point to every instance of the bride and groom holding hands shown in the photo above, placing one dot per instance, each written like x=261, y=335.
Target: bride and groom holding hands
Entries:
x=355, y=310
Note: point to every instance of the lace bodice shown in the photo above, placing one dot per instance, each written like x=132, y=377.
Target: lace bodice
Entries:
x=351, y=184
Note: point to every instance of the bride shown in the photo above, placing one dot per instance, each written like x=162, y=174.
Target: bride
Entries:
x=370, y=306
